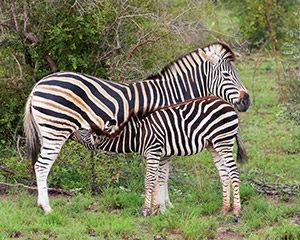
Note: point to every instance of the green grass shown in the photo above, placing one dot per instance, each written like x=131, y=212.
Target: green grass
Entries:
x=272, y=140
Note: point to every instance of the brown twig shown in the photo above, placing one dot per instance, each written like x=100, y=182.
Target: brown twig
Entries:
x=51, y=63
x=256, y=66
x=133, y=50
x=18, y=148
x=6, y=169
x=54, y=190
x=93, y=170
x=19, y=66
x=284, y=70
x=274, y=48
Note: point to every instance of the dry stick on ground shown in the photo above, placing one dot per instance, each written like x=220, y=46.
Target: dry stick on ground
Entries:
x=274, y=48
x=53, y=190
x=275, y=188
x=133, y=50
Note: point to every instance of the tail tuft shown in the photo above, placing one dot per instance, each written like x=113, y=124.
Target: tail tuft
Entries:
x=32, y=133
x=241, y=151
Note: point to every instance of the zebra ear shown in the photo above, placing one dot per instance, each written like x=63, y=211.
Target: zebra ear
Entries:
x=203, y=55
x=209, y=56
x=217, y=51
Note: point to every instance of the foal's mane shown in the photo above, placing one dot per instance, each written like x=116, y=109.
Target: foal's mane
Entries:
x=139, y=116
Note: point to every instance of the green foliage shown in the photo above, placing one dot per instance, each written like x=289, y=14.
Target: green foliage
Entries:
x=253, y=23
x=73, y=170
x=11, y=112
x=288, y=112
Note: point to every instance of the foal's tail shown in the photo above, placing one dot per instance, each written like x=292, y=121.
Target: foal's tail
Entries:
x=32, y=133
x=241, y=151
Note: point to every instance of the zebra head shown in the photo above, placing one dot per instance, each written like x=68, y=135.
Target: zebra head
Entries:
x=225, y=82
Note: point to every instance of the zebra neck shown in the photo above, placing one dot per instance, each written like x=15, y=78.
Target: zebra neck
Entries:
x=178, y=86
x=172, y=85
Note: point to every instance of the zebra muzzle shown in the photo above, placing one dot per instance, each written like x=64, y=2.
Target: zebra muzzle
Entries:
x=243, y=103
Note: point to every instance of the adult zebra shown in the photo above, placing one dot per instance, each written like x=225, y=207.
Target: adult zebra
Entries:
x=64, y=102
x=181, y=129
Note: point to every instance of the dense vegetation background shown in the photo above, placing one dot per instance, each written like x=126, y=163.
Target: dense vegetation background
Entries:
x=127, y=40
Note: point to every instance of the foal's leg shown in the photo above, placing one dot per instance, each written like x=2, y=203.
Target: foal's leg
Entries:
x=150, y=180
x=160, y=193
x=223, y=175
x=233, y=173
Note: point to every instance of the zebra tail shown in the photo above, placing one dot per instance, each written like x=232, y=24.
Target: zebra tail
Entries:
x=241, y=151
x=32, y=134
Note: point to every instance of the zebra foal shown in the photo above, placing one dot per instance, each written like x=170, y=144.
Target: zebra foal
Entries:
x=181, y=129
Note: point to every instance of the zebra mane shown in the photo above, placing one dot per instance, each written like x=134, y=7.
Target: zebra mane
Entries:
x=218, y=50
x=214, y=52
x=207, y=98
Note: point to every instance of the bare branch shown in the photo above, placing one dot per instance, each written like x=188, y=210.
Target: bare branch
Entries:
x=14, y=14
x=18, y=148
x=6, y=169
x=29, y=38
x=54, y=190
x=133, y=50
x=274, y=47
x=25, y=15
x=19, y=65
x=51, y=63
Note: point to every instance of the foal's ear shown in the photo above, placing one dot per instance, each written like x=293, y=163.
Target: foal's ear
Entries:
x=110, y=123
x=110, y=126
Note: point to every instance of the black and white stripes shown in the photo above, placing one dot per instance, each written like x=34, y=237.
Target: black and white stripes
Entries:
x=181, y=129
x=65, y=102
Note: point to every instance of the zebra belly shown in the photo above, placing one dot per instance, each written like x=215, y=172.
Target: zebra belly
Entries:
x=183, y=147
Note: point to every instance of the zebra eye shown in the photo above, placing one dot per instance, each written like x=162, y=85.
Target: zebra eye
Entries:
x=226, y=74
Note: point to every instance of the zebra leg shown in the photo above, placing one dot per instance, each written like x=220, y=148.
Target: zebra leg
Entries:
x=49, y=153
x=219, y=163
x=166, y=177
x=155, y=197
x=160, y=196
x=163, y=185
x=233, y=173
x=150, y=180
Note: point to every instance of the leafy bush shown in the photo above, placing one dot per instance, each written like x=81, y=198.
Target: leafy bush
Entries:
x=252, y=19
x=288, y=112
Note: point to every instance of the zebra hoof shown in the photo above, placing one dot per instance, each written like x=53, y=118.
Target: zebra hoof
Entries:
x=145, y=213
x=234, y=219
